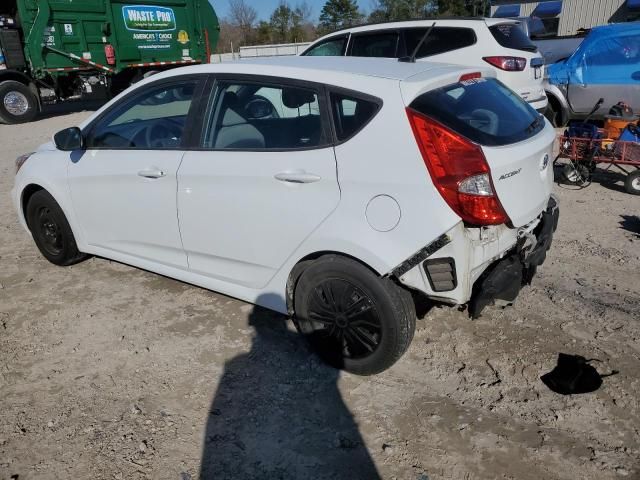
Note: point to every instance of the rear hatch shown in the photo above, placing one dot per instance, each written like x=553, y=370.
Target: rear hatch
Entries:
x=488, y=143
x=517, y=60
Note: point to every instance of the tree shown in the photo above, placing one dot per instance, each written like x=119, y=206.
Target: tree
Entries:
x=455, y=8
x=337, y=14
x=391, y=10
x=281, y=21
x=244, y=17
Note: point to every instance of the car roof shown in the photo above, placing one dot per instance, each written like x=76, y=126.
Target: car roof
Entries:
x=322, y=69
x=425, y=22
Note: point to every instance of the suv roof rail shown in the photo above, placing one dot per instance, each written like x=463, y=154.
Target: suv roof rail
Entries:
x=425, y=19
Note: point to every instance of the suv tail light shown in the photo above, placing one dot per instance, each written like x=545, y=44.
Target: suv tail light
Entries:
x=509, y=64
x=459, y=171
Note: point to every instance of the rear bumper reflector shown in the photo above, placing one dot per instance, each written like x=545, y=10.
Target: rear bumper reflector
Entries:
x=441, y=273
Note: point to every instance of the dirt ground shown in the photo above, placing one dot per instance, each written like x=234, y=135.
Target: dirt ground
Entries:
x=109, y=372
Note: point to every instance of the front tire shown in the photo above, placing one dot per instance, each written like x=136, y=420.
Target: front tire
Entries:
x=18, y=104
x=51, y=231
x=354, y=319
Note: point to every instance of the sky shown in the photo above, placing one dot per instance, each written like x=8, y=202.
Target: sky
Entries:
x=266, y=7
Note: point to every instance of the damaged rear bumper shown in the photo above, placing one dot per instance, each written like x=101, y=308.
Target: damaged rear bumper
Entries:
x=502, y=281
x=481, y=266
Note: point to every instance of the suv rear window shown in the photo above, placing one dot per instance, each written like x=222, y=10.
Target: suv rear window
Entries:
x=483, y=110
x=510, y=35
x=440, y=40
x=351, y=114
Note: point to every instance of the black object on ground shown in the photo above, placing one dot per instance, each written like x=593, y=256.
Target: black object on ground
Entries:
x=573, y=374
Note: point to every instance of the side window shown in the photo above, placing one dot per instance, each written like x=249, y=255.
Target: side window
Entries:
x=351, y=114
x=154, y=119
x=333, y=47
x=614, y=51
x=256, y=116
x=382, y=44
x=440, y=40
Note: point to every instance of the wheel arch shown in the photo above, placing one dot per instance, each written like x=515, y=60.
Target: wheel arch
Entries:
x=303, y=263
x=27, y=193
x=558, y=103
x=6, y=75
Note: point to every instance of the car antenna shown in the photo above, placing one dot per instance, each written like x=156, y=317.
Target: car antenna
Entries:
x=412, y=58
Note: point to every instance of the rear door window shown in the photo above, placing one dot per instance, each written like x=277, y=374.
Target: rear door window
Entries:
x=440, y=40
x=332, y=47
x=511, y=35
x=483, y=110
x=379, y=44
x=351, y=114
x=258, y=116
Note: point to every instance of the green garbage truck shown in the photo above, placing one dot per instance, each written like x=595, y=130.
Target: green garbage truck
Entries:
x=62, y=50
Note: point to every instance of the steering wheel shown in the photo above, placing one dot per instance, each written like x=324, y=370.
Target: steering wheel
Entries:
x=162, y=133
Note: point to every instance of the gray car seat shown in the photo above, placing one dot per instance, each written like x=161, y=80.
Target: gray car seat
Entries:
x=235, y=131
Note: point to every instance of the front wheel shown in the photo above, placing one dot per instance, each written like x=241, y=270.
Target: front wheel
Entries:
x=354, y=319
x=632, y=183
x=18, y=104
x=51, y=231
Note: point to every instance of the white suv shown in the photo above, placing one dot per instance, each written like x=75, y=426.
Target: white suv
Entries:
x=479, y=42
x=325, y=188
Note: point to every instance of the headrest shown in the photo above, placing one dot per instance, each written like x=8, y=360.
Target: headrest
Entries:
x=295, y=98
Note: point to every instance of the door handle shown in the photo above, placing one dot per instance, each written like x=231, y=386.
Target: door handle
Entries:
x=298, y=176
x=152, y=172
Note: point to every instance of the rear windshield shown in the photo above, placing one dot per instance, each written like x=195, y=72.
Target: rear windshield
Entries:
x=483, y=110
x=510, y=35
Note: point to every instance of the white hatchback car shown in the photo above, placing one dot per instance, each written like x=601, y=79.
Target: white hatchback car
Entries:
x=471, y=42
x=324, y=188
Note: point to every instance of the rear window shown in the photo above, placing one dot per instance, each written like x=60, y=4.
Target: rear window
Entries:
x=440, y=40
x=483, y=110
x=351, y=114
x=375, y=45
x=510, y=35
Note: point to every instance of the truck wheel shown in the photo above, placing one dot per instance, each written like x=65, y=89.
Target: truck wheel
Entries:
x=51, y=231
x=18, y=104
x=632, y=183
x=552, y=115
x=354, y=319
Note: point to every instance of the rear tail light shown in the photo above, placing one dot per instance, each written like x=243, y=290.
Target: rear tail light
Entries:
x=459, y=171
x=509, y=64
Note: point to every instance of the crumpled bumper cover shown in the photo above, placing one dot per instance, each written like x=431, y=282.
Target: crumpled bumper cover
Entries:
x=503, y=280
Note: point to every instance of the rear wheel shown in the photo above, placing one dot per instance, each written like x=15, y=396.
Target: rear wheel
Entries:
x=51, y=231
x=355, y=320
x=632, y=183
x=18, y=104
x=577, y=174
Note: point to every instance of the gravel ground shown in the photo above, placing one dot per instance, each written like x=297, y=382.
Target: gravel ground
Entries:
x=110, y=372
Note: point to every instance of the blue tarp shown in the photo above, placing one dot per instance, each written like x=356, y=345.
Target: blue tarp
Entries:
x=548, y=9
x=633, y=4
x=609, y=55
x=505, y=11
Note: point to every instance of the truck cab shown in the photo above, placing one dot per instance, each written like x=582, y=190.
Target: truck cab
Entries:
x=56, y=50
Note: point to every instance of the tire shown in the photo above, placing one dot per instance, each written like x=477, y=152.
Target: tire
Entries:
x=51, y=231
x=18, y=104
x=551, y=115
x=632, y=183
x=355, y=320
x=576, y=174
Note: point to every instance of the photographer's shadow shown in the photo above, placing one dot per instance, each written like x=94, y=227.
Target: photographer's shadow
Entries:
x=278, y=414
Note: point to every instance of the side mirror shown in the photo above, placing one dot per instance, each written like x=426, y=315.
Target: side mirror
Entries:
x=69, y=139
